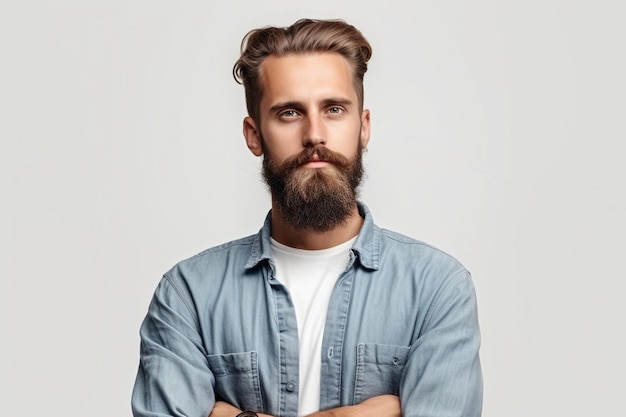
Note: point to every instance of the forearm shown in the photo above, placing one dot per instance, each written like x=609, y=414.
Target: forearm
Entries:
x=224, y=409
x=380, y=406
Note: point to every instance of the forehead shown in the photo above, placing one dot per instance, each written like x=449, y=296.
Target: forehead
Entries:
x=303, y=76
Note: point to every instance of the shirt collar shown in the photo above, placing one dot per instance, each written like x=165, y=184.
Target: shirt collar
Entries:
x=366, y=247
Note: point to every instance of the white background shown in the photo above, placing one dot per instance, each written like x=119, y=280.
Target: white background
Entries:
x=498, y=135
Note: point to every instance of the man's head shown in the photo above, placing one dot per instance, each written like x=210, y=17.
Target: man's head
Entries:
x=306, y=118
x=303, y=37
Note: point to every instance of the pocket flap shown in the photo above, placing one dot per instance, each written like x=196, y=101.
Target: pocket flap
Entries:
x=233, y=363
x=382, y=354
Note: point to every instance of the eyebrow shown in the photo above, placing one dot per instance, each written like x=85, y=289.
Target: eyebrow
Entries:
x=342, y=101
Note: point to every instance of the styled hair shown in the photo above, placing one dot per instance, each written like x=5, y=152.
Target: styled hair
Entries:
x=304, y=36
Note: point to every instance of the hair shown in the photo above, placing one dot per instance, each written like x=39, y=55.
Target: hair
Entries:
x=304, y=36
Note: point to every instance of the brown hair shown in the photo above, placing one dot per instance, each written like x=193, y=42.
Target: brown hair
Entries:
x=304, y=36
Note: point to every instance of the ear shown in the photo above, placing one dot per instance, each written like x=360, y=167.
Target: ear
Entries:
x=253, y=136
x=365, y=128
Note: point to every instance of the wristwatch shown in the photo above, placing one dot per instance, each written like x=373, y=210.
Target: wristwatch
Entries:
x=247, y=413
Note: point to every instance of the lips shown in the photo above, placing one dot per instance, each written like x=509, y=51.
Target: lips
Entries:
x=316, y=158
x=316, y=164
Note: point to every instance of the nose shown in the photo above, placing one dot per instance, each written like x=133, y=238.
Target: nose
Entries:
x=313, y=131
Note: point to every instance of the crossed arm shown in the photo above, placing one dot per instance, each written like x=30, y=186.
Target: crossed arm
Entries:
x=441, y=374
x=381, y=406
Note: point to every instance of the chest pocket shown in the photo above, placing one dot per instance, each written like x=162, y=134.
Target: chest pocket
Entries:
x=237, y=379
x=378, y=370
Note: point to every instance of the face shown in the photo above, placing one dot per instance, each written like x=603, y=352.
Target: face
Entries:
x=311, y=132
x=308, y=99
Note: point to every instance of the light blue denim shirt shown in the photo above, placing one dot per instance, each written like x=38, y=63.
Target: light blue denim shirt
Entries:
x=401, y=320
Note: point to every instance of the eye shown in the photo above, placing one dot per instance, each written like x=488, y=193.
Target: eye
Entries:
x=288, y=114
x=335, y=110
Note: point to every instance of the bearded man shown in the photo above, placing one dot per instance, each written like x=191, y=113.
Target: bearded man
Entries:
x=320, y=313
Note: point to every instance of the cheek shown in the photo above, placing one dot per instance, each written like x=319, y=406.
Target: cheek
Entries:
x=350, y=141
x=279, y=152
x=278, y=142
x=286, y=134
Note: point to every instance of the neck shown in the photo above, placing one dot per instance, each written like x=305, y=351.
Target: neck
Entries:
x=312, y=240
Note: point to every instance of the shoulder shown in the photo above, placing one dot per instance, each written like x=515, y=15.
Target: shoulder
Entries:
x=194, y=284
x=425, y=266
x=214, y=262
x=411, y=249
x=242, y=245
x=432, y=273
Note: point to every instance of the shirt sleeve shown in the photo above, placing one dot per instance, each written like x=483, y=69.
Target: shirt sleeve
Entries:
x=173, y=377
x=442, y=376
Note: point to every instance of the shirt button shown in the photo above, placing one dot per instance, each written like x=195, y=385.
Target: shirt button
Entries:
x=291, y=386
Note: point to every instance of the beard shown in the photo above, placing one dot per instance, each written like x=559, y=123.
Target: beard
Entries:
x=315, y=199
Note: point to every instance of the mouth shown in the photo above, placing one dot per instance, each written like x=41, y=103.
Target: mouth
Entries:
x=316, y=163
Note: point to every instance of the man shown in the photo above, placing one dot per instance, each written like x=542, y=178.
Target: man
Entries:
x=321, y=313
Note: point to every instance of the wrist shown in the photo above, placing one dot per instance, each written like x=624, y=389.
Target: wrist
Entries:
x=247, y=413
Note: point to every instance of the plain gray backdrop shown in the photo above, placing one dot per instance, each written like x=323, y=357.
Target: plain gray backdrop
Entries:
x=498, y=136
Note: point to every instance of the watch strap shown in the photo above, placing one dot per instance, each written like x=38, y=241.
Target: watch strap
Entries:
x=247, y=413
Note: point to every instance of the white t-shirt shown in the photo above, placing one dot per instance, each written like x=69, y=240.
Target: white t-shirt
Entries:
x=310, y=276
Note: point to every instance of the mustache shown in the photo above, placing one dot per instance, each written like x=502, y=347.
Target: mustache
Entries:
x=323, y=153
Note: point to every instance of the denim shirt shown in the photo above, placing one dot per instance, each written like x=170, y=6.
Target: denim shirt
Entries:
x=402, y=320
